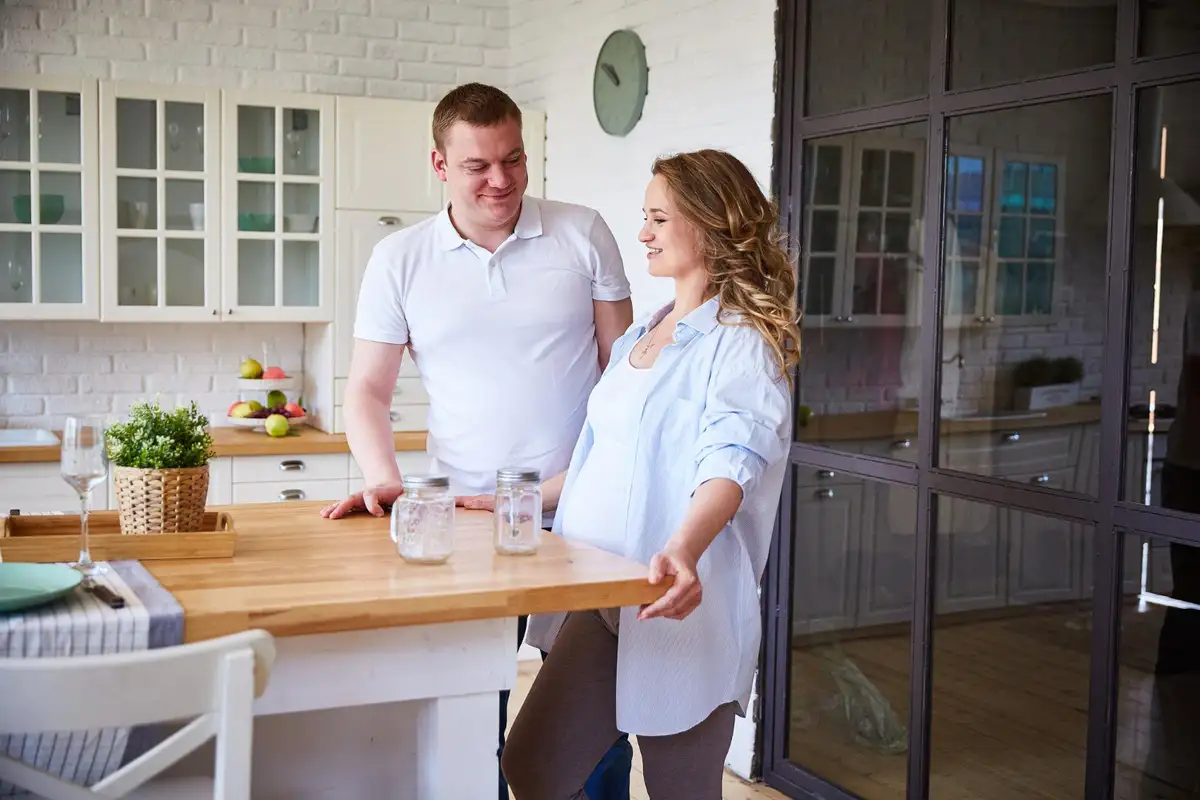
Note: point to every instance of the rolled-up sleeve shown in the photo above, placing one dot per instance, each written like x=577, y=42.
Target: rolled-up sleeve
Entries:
x=379, y=314
x=608, y=270
x=746, y=423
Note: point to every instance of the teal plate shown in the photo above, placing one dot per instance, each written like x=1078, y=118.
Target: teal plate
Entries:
x=28, y=585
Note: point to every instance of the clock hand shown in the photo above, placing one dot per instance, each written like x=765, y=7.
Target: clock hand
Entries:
x=612, y=73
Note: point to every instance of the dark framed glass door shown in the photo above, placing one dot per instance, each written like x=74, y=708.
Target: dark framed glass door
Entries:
x=982, y=577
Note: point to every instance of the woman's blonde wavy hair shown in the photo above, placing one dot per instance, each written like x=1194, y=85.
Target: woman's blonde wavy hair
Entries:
x=740, y=241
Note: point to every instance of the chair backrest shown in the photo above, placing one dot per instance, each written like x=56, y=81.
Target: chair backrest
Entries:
x=213, y=681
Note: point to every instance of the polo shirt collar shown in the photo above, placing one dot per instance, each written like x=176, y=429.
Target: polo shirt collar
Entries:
x=529, y=225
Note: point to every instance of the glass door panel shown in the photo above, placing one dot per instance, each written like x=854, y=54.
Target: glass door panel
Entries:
x=16, y=267
x=184, y=137
x=60, y=139
x=62, y=267
x=14, y=125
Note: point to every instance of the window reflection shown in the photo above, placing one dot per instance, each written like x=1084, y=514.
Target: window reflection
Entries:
x=1164, y=347
x=1158, y=712
x=861, y=268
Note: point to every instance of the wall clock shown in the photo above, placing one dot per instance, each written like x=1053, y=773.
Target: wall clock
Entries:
x=620, y=81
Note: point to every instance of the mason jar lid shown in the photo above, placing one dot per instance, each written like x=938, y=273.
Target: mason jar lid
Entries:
x=426, y=482
x=506, y=475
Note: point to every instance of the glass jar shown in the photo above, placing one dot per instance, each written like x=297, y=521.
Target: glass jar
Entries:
x=423, y=520
x=518, y=514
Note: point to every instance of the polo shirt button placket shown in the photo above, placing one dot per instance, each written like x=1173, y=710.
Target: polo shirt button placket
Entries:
x=495, y=278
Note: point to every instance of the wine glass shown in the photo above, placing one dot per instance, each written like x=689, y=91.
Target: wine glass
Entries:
x=84, y=466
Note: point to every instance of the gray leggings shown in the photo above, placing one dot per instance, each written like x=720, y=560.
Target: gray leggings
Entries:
x=568, y=722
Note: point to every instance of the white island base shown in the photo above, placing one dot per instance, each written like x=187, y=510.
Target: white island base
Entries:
x=408, y=713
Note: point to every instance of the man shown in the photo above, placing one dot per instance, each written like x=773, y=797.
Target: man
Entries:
x=508, y=304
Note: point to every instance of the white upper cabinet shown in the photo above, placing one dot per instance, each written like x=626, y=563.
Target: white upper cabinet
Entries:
x=159, y=184
x=48, y=150
x=278, y=216
x=384, y=149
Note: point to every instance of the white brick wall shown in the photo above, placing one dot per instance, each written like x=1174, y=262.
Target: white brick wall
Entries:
x=392, y=48
x=387, y=48
x=51, y=369
x=711, y=84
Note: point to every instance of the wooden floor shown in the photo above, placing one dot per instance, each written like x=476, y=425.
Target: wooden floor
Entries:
x=735, y=787
x=1010, y=702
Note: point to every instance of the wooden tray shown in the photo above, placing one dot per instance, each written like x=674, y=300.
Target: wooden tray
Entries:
x=49, y=538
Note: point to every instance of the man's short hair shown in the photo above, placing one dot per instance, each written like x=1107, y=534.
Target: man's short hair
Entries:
x=476, y=104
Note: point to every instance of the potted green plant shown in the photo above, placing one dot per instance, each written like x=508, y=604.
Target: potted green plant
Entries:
x=1046, y=383
x=159, y=464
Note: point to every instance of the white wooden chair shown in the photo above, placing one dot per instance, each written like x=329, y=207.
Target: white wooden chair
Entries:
x=214, y=682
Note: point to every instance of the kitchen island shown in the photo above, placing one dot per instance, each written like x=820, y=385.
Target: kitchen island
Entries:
x=387, y=674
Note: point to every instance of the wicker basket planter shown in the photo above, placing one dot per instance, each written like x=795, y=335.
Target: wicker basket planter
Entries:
x=160, y=500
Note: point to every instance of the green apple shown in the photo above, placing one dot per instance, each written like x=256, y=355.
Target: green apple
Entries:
x=254, y=405
x=276, y=399
x=241, y=411
x=803, y=415
x=251, y=369
x=276, y=425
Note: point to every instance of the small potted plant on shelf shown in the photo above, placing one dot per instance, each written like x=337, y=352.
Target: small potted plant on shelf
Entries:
x=1046, y=383
x=160, y=468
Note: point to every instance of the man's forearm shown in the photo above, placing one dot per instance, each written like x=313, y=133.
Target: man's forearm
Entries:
x=552, y=491
x=369, y=434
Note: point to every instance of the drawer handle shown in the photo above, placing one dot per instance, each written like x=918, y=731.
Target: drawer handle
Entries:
x=291, y=465
x=823, y=494
x=1014, y=436
x=1041, y=479
x=826, y=474
x=903, y=444
x=389, y=222
x=394, y=416
x=291, y=494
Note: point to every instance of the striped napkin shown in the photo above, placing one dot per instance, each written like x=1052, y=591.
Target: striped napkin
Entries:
x=80, y=624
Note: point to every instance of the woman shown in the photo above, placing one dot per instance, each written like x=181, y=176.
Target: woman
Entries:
x=679, y=466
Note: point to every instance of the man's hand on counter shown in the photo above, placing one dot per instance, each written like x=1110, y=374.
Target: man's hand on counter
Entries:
x=479, y=502
x=375, y=499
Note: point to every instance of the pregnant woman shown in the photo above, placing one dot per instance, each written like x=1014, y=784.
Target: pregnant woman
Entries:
x=679, y=466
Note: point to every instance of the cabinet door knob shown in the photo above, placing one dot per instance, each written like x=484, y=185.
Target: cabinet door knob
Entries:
x=1013, y=436
x=826, y=474
x=1041, y=479
x=291, y=494
x=291, y=465
x=903, y=444
x=850, y=318
x=823, y=494
x=389, y=222
x=215, y=312
x=229, y=311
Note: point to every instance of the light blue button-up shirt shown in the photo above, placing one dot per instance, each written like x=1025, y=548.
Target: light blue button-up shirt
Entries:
x=716, y=408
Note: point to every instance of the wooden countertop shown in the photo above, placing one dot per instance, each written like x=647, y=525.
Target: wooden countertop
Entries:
x=230, y=441
x=295, y=573
x=900, y=424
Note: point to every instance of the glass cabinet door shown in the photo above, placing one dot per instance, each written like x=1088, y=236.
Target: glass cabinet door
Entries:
x=48, y=202
x=278, y=217
x=159, y=155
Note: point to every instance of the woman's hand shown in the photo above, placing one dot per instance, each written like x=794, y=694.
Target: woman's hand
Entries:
x=683, y=597
x=479, y=502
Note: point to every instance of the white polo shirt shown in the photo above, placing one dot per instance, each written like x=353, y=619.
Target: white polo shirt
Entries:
x=505, y=341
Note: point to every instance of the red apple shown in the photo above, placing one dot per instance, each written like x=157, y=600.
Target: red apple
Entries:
x=294, y=410
x=273, y=373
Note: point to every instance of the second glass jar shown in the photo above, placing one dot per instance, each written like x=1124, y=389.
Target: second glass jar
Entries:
x=518, y=513
x=423, y=520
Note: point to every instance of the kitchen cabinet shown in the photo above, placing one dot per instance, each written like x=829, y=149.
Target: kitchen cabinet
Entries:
x=853, y=543
x=384, y=156
x=39, y=488
x=278, y=239
x=49, y=150
x=159, y=186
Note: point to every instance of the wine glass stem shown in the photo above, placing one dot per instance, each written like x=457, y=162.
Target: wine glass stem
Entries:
x=85, y=556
